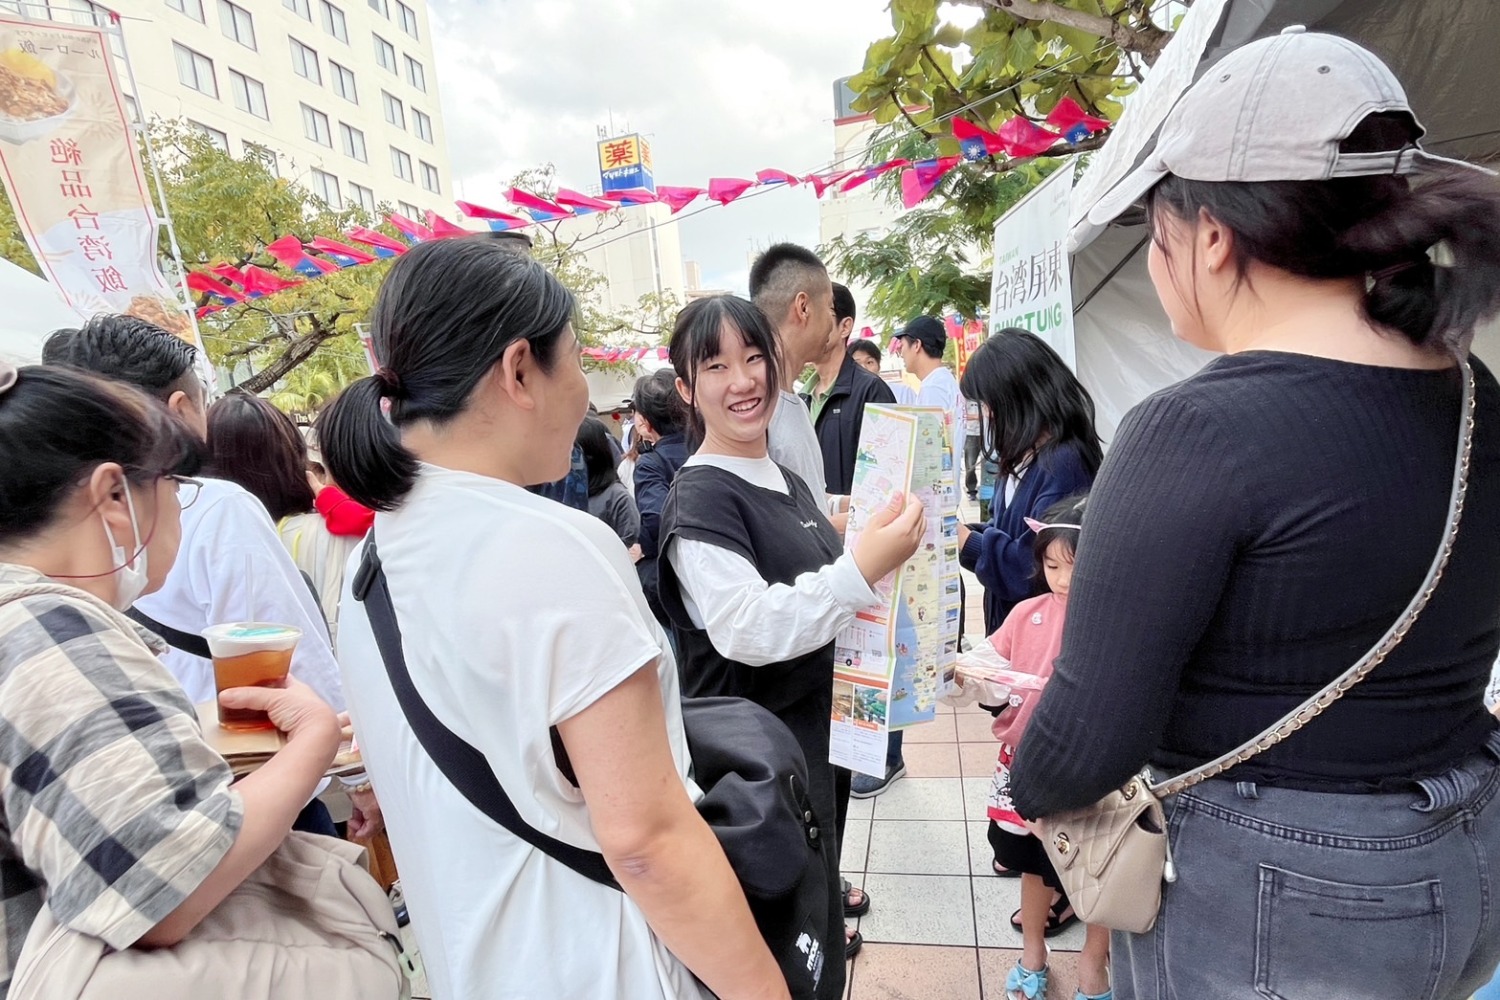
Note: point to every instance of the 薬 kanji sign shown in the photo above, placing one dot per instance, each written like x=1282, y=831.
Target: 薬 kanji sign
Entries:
x=625, y=163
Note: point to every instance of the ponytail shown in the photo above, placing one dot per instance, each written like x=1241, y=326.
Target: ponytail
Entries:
x=362, y=448
x=446, y=313
x=1443, y=235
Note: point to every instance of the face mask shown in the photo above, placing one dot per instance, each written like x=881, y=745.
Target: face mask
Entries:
x=131, y=580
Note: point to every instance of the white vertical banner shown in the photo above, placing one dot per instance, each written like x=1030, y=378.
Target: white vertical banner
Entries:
x=1031, y=288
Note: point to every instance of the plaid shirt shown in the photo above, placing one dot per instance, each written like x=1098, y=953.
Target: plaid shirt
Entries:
x=114, y=808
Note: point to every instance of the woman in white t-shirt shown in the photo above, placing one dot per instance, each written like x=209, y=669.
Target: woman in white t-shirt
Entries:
x=517, y=615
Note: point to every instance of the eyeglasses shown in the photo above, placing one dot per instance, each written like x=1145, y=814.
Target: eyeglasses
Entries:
x=187, y=489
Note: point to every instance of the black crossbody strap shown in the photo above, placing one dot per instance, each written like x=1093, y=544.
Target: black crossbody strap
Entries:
x=194, y=645
x=463, y=765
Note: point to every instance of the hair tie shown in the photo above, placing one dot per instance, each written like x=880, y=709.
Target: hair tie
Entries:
x=1040, y=526
x=390, y=382
x=9, y=376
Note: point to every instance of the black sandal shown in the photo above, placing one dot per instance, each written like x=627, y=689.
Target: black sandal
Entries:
x=855, y=910
x=1056, y=921
x=852, y=944
x=1002, y=871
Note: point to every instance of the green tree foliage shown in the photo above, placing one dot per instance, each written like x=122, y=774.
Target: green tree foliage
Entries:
x=1020, y=59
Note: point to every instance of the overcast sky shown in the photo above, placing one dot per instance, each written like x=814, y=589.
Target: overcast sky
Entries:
x=722, y=88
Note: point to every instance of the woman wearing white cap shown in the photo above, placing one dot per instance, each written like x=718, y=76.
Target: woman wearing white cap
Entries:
x=1273, y=524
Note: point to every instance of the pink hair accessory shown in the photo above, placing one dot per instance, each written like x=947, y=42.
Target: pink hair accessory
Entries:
x=1039, y=526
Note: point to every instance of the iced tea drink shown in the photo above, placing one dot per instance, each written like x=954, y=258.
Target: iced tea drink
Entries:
x=250, y=654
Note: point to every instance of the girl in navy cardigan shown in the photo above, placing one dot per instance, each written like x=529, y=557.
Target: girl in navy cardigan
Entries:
x=1039, y=429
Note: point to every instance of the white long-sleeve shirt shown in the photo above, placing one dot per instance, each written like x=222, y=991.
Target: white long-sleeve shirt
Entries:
x=747, y=619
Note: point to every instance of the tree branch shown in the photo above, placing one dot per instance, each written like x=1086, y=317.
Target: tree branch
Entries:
x=910, y=120
x=1148, y=40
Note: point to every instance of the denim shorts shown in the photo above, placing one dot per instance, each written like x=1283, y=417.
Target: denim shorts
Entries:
x=1293, y=895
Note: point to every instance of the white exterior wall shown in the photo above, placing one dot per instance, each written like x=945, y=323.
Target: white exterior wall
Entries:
x=151, y=27
x=859, y=211
x=634, y=258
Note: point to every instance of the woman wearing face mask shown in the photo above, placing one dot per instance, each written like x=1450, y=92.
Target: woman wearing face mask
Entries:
x=115, y=814
x=525, y=631
x=1260, y=529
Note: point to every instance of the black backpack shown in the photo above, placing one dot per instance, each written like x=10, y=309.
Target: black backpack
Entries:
x=747, y=762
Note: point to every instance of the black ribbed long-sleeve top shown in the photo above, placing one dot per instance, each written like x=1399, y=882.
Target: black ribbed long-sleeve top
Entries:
x=1252, y=532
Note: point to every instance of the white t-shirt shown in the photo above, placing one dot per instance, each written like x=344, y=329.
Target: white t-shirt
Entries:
x=516, y=613
x=232, y=567
x=940, y=388
x=794, y=443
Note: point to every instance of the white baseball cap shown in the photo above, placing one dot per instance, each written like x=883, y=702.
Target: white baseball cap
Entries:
x=1276, y=110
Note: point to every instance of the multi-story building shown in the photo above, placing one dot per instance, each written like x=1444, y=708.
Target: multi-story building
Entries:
x=339, y=96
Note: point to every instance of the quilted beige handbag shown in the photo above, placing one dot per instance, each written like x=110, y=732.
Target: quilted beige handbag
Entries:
x=1113, y=856
x=308, y=924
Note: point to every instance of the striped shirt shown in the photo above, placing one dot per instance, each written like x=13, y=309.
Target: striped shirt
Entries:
x=114, y=807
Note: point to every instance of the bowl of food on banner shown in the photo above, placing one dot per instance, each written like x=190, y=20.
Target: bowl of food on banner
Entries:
x=34, y=98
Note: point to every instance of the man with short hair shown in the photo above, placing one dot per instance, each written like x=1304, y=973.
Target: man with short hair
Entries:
x=866, y=354
x=791, y=286
x=837, y=391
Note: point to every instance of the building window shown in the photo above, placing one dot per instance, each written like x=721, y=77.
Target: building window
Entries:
x=315, y=126
x=305, y=62
x=132, y=110
x=381, y=7
x=354, y=142
x=333, y=21
x=263, y=155
x=236, y=22
x=219, y=139
x=195, y=71
x=385, y=54
x=362, y=196
x=414, y=74
x=298, y=7
x=192, y=8
x=430, y=179
x=249, y=95
x=401, y=165
x=343, y=82
x=422, y=125
x=408, y=19
x=395, y=114
x=409, y=210
x=326, y=186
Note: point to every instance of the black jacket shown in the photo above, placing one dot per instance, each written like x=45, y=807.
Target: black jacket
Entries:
x=654, y=472
x=842, y=416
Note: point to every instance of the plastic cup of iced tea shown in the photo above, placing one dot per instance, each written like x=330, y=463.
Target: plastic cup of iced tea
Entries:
x=250, y=654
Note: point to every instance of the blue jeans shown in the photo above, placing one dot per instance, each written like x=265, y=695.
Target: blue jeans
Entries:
x=1292, y=895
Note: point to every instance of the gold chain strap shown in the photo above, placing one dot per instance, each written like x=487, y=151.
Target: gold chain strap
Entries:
x=1312, y=708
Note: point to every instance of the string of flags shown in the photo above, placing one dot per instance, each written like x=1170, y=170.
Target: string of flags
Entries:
x=224, y=285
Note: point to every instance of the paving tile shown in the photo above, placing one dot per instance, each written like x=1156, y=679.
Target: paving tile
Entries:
x=976, y=796
x=922, y=798
x=981, y=854
x=419, y=988
x=919, y=847
x=861, y=808
x=974, y=726
x=919, y=909
x=940, y=730
x=914, y=972
x=995, y=899
x=855, y=848
x=931, y=760
x=995, y=964
x=977, y=760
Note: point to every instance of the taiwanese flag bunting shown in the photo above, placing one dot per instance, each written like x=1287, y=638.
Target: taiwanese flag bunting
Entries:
x=1022, y=138
x=583, y=204
x=869, y=174
x=442, y=229
x=773, y=176
x=229, y=273
x=1073, y=122
x=218, y=293
x=918, y=181
x=341, y=254
x=414, y=232
x=260, y=282
x=632, y=196
x=975, y=142
x=822, y=182
x=289, y=252
x=539, y=209
x=382, y=244
x=726, y=189
x=678, y=198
